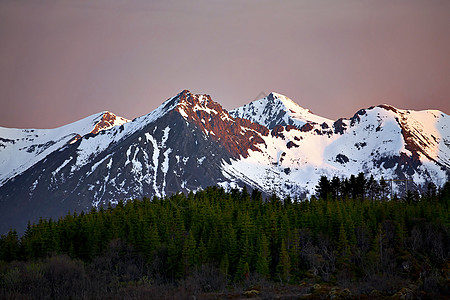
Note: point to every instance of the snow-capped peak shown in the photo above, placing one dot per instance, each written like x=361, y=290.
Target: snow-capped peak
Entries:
x=106, y=121
x=183, y=102
x=22, y=148
x=424, y=132
x=189, y=105
x=287, y=102
x=277, y=109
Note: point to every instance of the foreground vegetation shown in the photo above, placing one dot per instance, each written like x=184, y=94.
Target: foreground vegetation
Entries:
x=215, y=244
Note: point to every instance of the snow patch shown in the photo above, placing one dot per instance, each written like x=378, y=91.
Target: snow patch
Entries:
x=61, y=166
x=200, y=160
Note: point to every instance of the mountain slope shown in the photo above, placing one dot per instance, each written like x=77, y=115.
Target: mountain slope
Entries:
x=277, y=109
x=380, y=141
x=179, y=147
x=190, y=142
x=22, y=148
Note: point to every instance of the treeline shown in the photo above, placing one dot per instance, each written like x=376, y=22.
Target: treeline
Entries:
x=360, y=187
x=222, y=237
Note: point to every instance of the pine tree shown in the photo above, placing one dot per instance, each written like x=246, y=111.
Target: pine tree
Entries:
x=244, y=257
x=335, y=187
x=378, y=247
x=284, y=265
x=343, y=247
x=10, y=247
x=323, y=189
x=151, y=240
x=202, y=254
x=373, y=188
x=361, y=184
x=295, y=251
x=189, y=254
x=262, y=262
x=383, y=188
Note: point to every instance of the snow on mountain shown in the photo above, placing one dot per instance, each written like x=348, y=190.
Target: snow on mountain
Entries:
x=179, y=147
x=426, y=134
x=381, y=141
x=107, y=121
x=190, y=142
x=22, y=148
x=277, y=109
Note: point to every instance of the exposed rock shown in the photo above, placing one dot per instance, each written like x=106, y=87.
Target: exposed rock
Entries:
x=289, y=127
x=405, y=164
x=307, y=127
x=388, y=107
x=360, y=145
x=339, y=126
x=342, y=159
x=291, y=144
x=416, y=141
x=277, y=131
x=107, y=121
x=74, y=139
x=235, y=134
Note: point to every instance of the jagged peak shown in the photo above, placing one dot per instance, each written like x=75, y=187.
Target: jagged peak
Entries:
x=286, y=100
x=288, y=103
x=107, y=120
x=186, y=103
x=189, y=98
x=282, y=101
x=277, y=109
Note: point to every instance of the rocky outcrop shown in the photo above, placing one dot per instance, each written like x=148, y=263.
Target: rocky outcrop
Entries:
x=235, y=134
x=108, y=120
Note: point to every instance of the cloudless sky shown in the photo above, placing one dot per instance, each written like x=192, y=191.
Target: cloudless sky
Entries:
x=63, y=60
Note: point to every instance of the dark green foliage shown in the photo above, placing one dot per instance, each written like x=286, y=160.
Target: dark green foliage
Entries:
x=344, y=237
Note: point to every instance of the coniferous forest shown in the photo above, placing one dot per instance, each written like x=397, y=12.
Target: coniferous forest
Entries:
x=349, y=241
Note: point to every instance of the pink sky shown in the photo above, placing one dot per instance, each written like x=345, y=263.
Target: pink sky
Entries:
x=61, y=61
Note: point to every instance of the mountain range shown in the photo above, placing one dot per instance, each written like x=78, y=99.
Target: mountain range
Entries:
x=190, y=142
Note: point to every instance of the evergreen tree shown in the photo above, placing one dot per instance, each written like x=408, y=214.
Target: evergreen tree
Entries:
x=167, y=238
x=373, y=189
x=262, y=263
x=189, y=254
x=360, y=186
x=284, y=265
x=335, y=187
x=9, y=246
x=343, y=247
x=384, y=189
x=323, y=189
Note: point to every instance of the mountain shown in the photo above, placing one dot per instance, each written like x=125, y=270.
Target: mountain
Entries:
x=22, y=148
x=190, y=142
x=381, y=141
x=276, y=109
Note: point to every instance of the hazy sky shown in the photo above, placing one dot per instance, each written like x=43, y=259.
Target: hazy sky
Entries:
x=62, y=60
